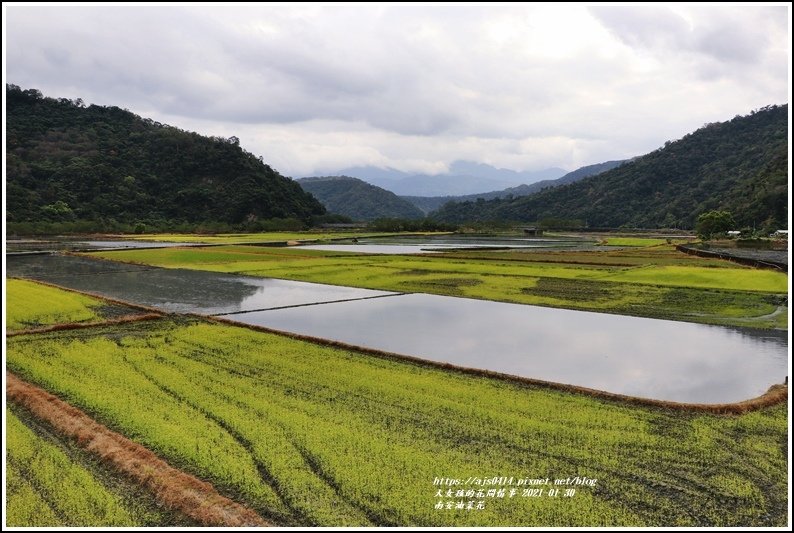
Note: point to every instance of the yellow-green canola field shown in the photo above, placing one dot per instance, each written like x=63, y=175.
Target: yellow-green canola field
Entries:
x=308, y=434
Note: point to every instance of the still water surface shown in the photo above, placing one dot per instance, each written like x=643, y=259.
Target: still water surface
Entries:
x=660, y=359
x=178, y=290
x=67, y=244
x=442, y=243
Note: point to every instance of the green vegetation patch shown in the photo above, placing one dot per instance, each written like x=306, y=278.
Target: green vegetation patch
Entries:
x=633, y=281
x=747, y=279
x=31, y=305
x=47, y=487
x=581, y=290
x=314, y=435
x=452, y=286
x=695, y=305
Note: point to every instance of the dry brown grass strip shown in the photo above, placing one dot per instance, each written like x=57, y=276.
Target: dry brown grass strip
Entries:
x=82, y=325
x=776, y=394
x=175, y=489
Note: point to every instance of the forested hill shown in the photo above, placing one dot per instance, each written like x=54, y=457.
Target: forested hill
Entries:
x=431, y=203
x=357, y=199
x=67, y=161
x=740, y=166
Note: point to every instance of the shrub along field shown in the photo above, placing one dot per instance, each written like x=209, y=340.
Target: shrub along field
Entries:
x=313, y=435
x=655, y=281
x=46, y=486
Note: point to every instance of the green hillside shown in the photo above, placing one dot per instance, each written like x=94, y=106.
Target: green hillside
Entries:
x=430, y=203
x=358, y=199
x=740, y=166
x=69, y=162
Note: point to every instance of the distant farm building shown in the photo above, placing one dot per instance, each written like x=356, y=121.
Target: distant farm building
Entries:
x=734, y=233
x=533, y=231
x=780, y=234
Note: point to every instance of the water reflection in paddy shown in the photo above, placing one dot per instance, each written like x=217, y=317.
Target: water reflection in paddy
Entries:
x=657, y=359
x=178, y=290
x=67, y=244
x=440, y=243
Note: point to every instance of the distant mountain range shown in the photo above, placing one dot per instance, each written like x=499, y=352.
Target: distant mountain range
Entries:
x=740, y=166
x=429, y=204
x=464, y=177
x=67, y=163
x=357, y=199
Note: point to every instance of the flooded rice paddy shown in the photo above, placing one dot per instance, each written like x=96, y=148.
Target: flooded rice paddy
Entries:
x=445, y=243
x=659, y=359
x=178, y=290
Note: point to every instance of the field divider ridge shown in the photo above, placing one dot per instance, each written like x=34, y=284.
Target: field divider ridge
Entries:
x=777, y=393
x=174, y=488
x=310, y=304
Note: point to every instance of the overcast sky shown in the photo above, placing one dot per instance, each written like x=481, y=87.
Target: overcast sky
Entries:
x=318, y=88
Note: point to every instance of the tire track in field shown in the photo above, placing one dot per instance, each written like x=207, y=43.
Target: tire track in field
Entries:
x=46, y=497
x=312, y=462
x=175, y=489
x=313, y=465
x=264, y=473
x=382, y=408
x=316, y=468
x=309, y=462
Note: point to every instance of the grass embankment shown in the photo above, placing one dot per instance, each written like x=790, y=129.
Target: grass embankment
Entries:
x=276, y=236
x=34, y=306
x=49, y=483
x=307, y=434
x=657, y=281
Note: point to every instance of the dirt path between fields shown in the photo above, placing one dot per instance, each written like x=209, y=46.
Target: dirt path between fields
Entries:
x=175, y=489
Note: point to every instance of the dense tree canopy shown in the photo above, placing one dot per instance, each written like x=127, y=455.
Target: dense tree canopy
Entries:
x=431, y=203
x=357, y=199
x=739, y=166
x=67, y=161
x=714, y=223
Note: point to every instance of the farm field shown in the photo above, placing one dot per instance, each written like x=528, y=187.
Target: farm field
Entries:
x=276, y=236
x=637, y=241
x=32, y=305
x=51, y=483
x=309, y=434
x=656, y=281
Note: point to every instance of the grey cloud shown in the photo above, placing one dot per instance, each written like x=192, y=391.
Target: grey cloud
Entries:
x=405, y=73
x=723, y=34
x=646, y=26
x=741, y=34
x=729, y=44
x=286, y=78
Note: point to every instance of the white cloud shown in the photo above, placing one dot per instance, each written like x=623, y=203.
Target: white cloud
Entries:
x=315, y=88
